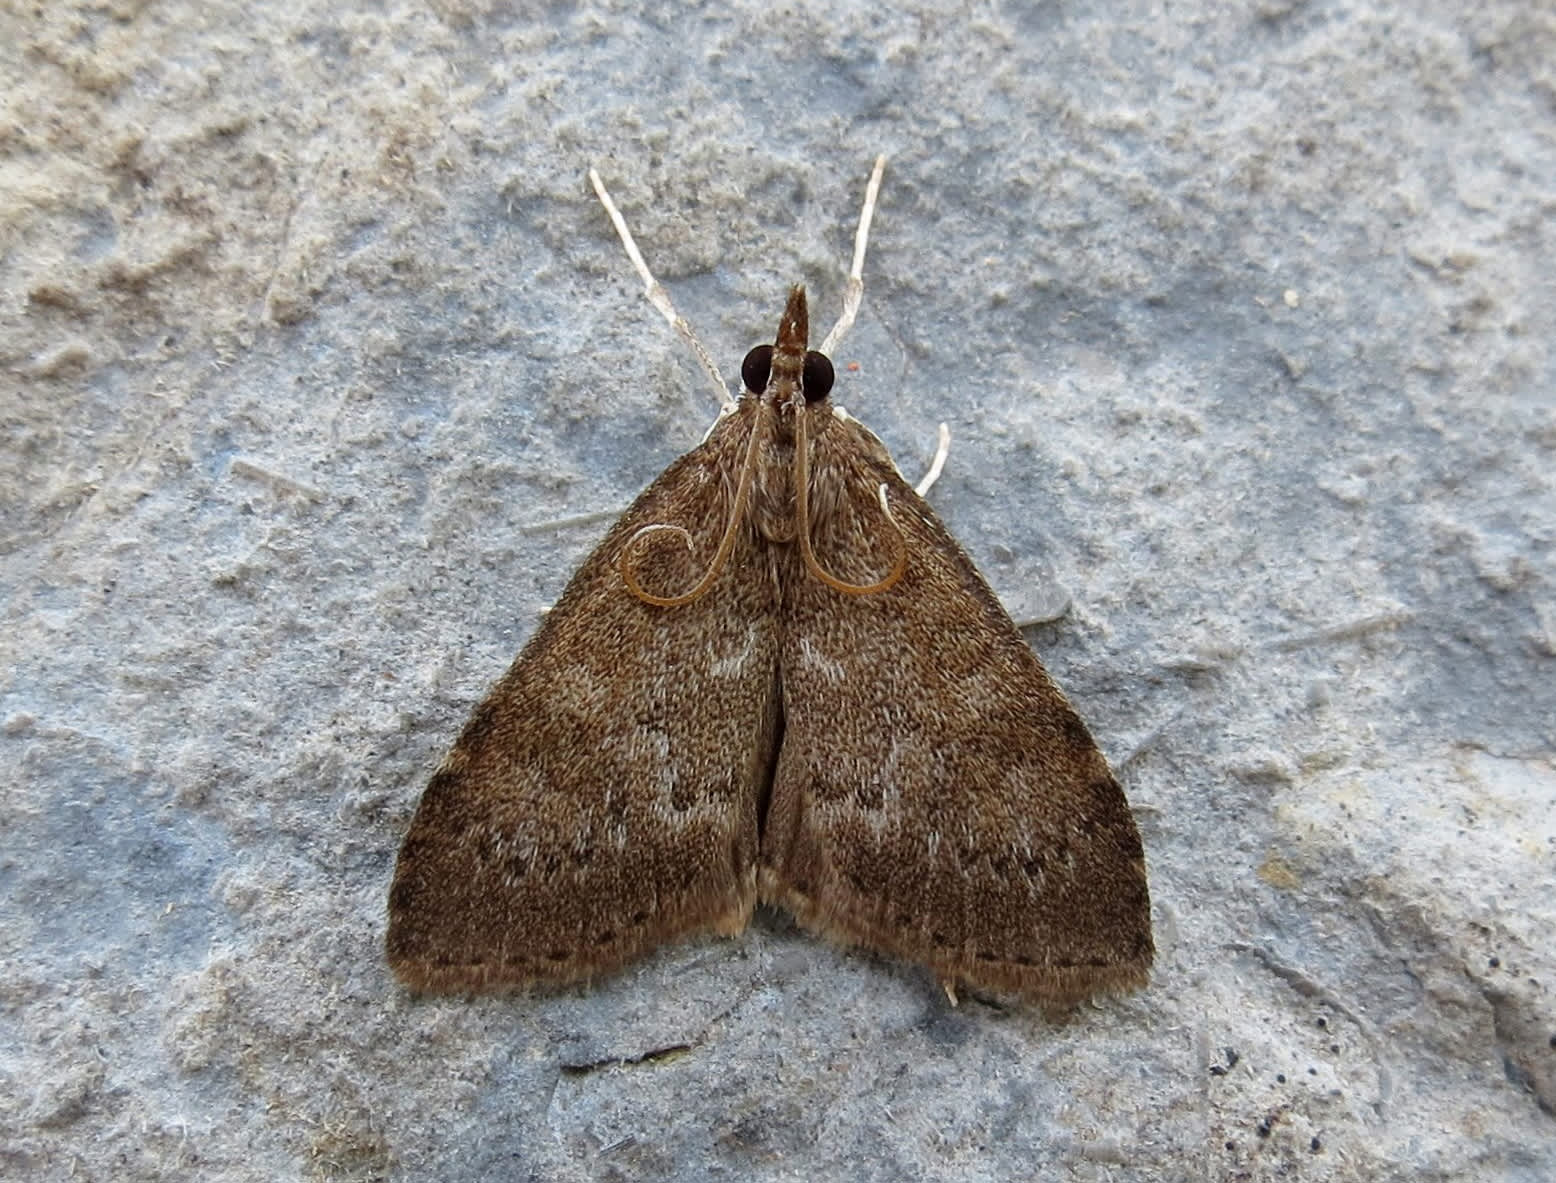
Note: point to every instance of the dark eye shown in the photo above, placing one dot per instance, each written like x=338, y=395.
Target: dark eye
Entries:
x=756, y=367
x=817, y=378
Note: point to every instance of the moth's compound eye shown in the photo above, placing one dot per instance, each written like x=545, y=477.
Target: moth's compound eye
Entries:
x=758, y=365
x=817, y=378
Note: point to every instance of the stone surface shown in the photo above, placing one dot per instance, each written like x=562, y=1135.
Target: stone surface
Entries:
x=1241, y=318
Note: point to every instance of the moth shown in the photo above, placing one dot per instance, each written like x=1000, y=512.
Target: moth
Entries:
x=778, y=680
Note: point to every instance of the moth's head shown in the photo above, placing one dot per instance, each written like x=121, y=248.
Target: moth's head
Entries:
x=785, y=373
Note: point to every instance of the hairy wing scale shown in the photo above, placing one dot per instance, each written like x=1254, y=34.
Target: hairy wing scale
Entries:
x=940, y=801
x=602, y=799
x=934, y=796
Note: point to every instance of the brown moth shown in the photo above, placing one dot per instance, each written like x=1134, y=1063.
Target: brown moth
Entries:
x=777, y=681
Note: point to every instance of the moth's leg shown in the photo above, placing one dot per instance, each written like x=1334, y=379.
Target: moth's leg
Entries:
x=660, y=298
x=942, y=449
x=854, y=292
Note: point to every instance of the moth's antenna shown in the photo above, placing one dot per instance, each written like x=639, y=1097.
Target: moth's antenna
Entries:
x=854, y=292
x=660, y=298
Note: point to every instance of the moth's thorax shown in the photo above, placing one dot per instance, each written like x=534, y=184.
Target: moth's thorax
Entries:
x=773, y=509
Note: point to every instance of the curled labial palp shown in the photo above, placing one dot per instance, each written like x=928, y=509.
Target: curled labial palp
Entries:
x=628, y=560
x=737, y=513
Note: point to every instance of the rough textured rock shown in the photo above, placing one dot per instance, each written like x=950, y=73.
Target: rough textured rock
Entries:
x=1241, y=317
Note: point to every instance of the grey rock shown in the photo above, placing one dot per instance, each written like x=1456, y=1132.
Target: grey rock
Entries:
x=314, y=343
